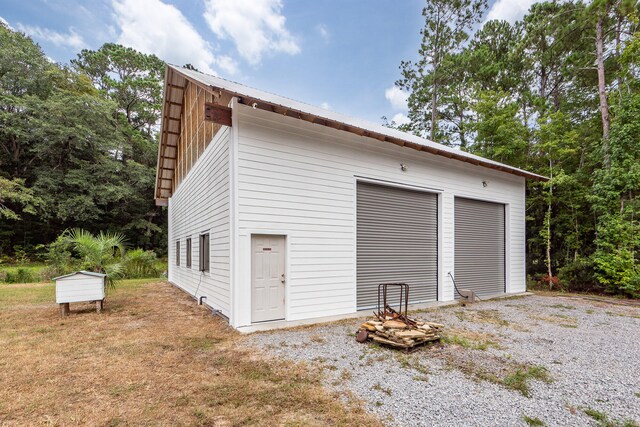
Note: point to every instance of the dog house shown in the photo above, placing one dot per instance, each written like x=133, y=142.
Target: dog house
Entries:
x=81, y=286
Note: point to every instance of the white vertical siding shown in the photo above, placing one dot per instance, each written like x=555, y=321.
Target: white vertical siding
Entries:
x=298, y=179
x=201, y=205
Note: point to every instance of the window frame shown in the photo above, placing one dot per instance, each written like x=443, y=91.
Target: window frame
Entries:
x=189, y=252
x=178, y=252
x=204, y=252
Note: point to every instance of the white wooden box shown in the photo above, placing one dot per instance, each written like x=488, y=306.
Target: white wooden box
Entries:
x=80, y=286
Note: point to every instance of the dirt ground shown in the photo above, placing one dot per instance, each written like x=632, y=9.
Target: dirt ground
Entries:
x=153, y=357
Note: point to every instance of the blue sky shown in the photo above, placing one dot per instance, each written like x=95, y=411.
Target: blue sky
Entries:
x=343, y=55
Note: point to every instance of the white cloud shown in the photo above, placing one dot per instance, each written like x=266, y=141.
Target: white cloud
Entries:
x=227, y=64
x=323, y=31
x=6, y=23
x=70, y=39
x=400, y=119
x=256, y=27
x=509, y=10
x=152, y=26
x=397, y=97
x=325, y=105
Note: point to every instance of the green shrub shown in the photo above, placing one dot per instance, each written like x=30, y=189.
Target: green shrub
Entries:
x=78, y=249
x=59, y=257
x=20, y=275
x=578, y=276
x=51, y=271
x=617, y=270
x=139, y=264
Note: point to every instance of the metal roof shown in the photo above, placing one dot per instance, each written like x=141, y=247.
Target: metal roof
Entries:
x=175, y=80
x=88, y=273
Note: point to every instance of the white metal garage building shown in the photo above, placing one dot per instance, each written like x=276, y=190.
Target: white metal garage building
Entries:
x=280, y=211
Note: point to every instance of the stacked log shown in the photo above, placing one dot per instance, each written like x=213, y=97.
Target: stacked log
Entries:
x=398, y=333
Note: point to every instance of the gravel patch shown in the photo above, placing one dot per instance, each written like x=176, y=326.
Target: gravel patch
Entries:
x=590, y=350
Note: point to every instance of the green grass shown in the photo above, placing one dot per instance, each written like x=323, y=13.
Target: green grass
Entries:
x=562, y=306
x=533, y=421
x=603, y=419
x=600, y=417
x=468, y=343
x=409, y=362
x=520, y=379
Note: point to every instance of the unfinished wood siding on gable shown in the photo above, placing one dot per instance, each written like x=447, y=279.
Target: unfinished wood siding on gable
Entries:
x=195, y=132
x=299, y=179
x=201, y=205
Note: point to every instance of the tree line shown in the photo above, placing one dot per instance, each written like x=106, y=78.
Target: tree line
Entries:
x=556, y=93
x=78, y=145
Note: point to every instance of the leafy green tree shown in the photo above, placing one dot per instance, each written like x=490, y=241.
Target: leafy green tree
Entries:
x=13, y=192
x=616, y=200
x=531, y=95
x=84, y=145
x=447, y=23
x=500, y=133
x=494, y=60
x=132, y=79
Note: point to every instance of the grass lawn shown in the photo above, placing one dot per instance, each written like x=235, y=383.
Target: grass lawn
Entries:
x=153, y=357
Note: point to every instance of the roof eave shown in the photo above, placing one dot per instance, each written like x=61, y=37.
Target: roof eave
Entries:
x=264, y=104
x=287, y=110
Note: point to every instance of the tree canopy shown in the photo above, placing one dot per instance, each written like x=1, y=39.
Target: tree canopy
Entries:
x=78, y=144
x=556, y=93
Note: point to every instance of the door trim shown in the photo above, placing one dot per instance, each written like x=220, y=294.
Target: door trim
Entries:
x=287, y=288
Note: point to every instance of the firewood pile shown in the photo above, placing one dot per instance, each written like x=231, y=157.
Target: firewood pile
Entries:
x=398, y=330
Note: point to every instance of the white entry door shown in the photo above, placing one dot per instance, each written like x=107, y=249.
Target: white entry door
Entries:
x=267, y=277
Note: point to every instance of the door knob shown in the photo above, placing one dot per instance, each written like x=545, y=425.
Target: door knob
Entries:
x=282, y=278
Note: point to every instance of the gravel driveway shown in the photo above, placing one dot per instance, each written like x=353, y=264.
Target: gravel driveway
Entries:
x=508, y=362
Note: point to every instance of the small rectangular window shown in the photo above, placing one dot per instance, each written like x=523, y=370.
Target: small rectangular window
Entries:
x=177, y=252
x=189, y=253
x=204, y=252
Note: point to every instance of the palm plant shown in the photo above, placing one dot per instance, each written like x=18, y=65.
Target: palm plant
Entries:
x=139, y=263
x=100, y=253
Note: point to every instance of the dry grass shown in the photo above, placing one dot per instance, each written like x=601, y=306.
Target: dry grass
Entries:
x=490, y=367
x=470, y=339
x=598, y=300
x=153, y=357
x=558, y=319
x=490, y=316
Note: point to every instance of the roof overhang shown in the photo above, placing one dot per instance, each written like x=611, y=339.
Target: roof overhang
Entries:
x=175, y=81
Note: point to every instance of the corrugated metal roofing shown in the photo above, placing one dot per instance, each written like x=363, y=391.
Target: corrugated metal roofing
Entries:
x=88, y=273
x=311, y=113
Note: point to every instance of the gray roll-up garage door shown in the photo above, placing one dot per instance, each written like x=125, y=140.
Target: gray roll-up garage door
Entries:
x=479, y=246
x=397, y=242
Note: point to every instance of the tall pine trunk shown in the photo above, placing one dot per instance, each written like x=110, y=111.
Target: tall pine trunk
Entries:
x=434, y=110
x=602, y=91
x=547, y=225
